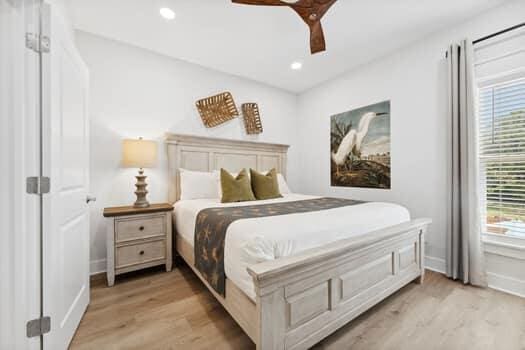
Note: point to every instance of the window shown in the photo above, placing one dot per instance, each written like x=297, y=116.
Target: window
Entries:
x=501, y=109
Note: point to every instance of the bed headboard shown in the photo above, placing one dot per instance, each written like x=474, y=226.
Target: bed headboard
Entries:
x=207, y=154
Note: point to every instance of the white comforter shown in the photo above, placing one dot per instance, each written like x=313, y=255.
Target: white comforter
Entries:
x=251, y=241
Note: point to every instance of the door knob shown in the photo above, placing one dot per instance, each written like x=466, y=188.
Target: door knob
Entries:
x=90, y=199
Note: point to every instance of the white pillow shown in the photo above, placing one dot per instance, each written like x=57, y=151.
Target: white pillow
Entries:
x=197, y=184
x=283, y=186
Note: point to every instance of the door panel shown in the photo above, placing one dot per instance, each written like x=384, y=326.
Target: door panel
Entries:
x=73, y=266
x=73, y=140
x=66, y=135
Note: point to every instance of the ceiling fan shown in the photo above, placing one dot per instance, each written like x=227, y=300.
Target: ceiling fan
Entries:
x=311, y=11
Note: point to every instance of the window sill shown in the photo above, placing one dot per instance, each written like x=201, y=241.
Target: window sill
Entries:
x=511, y=247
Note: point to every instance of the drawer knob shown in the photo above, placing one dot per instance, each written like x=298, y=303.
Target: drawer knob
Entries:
x=141, y=252
x=141, y=228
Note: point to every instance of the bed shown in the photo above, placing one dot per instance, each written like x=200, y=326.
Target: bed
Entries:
x=290, y=283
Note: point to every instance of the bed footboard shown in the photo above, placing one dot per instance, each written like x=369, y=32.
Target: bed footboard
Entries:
x=303, y=298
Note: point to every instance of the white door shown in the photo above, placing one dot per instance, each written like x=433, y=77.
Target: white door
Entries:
x=66, y=162
x=19, y=159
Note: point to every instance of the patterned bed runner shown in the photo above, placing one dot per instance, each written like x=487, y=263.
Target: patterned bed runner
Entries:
x=212, y=224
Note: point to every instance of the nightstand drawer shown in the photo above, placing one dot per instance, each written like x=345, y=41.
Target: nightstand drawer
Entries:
x=135, y=228
x=140, y=253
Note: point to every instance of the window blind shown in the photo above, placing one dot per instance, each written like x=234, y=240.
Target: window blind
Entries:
x=500, y=70
x=502, y=156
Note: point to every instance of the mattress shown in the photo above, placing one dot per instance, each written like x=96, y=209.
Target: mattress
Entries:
x=251, y=241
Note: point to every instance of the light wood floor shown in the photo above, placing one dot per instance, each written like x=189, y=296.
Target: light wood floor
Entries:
x=159, y=310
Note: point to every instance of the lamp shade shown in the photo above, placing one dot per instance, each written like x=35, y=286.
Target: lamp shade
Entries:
x=139, y=153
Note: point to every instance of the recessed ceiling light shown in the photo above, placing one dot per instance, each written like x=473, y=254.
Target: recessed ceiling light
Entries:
x=167, y=13
x=296, y=65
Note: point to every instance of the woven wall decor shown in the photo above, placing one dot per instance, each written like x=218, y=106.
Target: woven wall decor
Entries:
x=252, y=118
x=218, y=109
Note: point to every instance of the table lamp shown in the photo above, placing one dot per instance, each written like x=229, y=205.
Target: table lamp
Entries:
x=139, y=154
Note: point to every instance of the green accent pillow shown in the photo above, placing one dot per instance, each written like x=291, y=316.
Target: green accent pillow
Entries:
x=236, y=189
x=265, y=186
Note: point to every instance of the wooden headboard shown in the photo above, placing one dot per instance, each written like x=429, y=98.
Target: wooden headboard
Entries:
x=207, y=154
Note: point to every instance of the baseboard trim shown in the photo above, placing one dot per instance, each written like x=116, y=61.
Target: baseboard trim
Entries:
x=435, y=264
x=506, y=284
x=97, y=266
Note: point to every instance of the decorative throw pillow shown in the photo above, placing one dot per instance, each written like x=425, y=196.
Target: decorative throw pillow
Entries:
x=236, y=189
x=265, y=186
x=283, y=186
x=218, y=175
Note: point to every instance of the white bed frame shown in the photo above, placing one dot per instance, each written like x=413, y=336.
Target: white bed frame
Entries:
x=303, y=298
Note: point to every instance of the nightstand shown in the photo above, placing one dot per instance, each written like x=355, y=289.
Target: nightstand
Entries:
x=138, y=238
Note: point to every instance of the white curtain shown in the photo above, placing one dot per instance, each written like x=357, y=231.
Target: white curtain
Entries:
x=464, y=246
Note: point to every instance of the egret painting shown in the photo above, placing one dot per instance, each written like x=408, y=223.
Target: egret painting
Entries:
x=360, y=147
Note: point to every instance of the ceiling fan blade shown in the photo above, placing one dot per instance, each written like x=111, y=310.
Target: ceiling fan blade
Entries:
x=260, y=2
x=323, y=6
x=311, y=11
x=317, y=41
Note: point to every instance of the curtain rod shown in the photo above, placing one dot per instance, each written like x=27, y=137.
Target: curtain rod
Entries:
x=498, y=33
x=494, y=34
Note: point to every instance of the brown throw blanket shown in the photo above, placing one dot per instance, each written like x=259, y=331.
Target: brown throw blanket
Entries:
x=212, y=224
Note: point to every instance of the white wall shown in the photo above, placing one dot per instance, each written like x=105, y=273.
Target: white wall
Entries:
x=138, y=93
x=414, y=79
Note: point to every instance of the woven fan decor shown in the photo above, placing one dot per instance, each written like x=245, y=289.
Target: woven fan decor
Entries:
x=218, y=109
x=252, y=119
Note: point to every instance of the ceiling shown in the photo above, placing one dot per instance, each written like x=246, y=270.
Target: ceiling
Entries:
x=260, y=43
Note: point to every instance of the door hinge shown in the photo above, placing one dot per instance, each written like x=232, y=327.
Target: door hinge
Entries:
x=38, y=327
x=37, y=42
x=38, y=185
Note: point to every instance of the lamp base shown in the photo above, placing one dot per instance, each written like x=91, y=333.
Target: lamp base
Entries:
x=141, y=191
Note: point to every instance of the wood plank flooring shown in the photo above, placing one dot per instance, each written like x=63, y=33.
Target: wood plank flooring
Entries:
x=158, y=310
